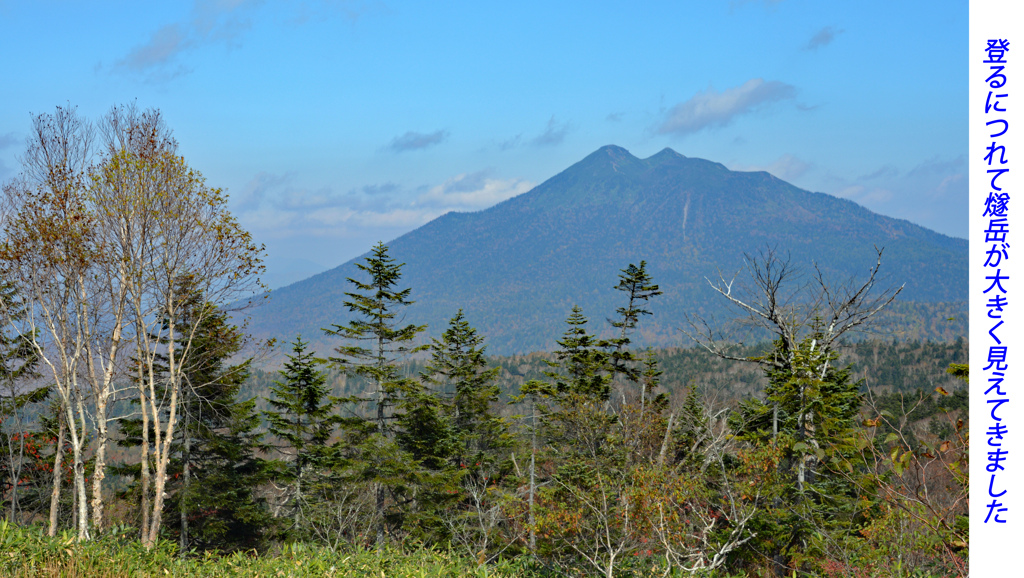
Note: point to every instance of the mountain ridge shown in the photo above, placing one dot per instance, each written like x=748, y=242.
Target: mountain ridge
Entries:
x=518, y=267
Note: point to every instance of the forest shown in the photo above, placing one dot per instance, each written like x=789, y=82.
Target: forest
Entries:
x=139, y=438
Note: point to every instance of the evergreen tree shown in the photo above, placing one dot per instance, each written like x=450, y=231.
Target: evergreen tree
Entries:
x=635, y=282
x=458, y=438
x=216, y=470
x=380, y=341
x=18, y=361
x=303, y=420
x=581, y=361
x=809, y=414
x=458, y=369
x=573, y=408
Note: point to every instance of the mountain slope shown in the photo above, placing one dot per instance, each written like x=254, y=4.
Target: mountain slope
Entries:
x=519, y=267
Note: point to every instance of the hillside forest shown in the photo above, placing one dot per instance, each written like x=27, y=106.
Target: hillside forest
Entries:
x=138, y=437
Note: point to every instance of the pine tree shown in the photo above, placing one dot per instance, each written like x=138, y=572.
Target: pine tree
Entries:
x=376, y=307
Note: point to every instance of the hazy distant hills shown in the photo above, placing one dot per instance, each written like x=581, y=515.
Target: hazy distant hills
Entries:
x=517, y=268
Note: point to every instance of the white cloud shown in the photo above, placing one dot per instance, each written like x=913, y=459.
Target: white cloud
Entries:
x=473, y=191
x=710, y=108
x=787, y=167
x=277, y=206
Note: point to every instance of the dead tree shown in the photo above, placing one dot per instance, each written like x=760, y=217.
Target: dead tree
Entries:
x=807, y=318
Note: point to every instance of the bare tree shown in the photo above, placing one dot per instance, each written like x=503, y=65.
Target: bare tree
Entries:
x=792, y=310
x=779, y=302
x=48, y=249
x=100, y=253
x=807, y=319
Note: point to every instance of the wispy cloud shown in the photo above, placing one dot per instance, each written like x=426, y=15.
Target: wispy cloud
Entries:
x=472, y=191
x=554, y=133
x=823, y=38
x=710, y=108
x=381, y=189
x=614, y=117
x=871, y=197
x=256, y=190
x=214, y=22
x=9, y=140
x=511, y=143
x=787, y=167
x=932, y=193
x=412, y=140
x=210, y=22
x=277, y=206
x=937, y=166
x=883, y=172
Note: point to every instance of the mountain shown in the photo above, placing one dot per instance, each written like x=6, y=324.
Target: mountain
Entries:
x=517, y=268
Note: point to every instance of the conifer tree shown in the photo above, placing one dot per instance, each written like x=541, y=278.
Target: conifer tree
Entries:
x=637, y=283
x=18, y=362
x=809, y=414
x=573, y=409
x=216, y=469
x=464, y=445
x=379, y=342
x=458, y=369
x=303, y=420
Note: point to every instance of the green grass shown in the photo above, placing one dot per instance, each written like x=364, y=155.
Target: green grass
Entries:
x=28, y=552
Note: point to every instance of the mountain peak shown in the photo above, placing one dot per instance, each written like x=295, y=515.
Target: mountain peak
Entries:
x=518, y=267
x=666, y=153
x=614, y=151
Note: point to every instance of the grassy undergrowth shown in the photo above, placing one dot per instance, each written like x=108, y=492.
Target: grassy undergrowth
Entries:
x=28, y=552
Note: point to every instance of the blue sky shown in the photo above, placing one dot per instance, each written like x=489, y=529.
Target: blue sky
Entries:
x=337, y=124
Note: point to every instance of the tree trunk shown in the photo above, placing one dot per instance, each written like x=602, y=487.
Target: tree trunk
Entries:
x=144, y=461
x=185, y=495
x=533, y=481
x=100, y=465
x=77, y=443
x=58, y=458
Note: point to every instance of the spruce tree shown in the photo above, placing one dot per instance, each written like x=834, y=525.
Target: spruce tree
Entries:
x=18, y=362
x=573, y=406
x=810, y=414
x=458, y=370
